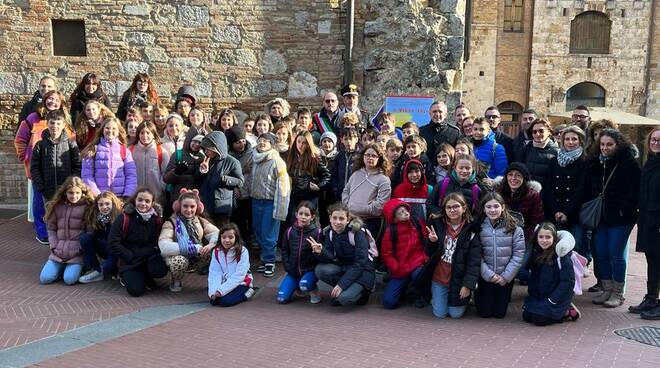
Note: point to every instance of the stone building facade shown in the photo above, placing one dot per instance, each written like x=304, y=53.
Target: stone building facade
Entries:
x=542, y=64
x=237, y=54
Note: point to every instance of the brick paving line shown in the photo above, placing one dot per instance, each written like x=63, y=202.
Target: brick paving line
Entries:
x=92, y=334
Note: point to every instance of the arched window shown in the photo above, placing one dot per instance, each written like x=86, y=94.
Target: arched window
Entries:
x=510, y=112
x=586, y=93
x=590, y=33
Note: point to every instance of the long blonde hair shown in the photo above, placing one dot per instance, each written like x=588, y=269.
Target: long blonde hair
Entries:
x=90, y=150
x=93, y=211
x=648, y=142
x=60, y=195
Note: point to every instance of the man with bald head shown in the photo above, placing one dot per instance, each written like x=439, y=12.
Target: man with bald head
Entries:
x=438, y=131
x=327, y=120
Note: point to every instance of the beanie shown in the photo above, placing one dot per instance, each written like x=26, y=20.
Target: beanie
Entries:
x=235, y=134
x=519, y=167
x=329, y=135
x=269, y=136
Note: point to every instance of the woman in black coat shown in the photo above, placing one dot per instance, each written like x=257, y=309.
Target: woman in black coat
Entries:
x=540, y=151
x=454, y=249
x=648, y=231
x=613, y=159
x=88, y=89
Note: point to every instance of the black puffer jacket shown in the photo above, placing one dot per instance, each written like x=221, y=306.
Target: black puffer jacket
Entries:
x=561, y=191
x=300, y=181
x=79, y=102
x=188, y=162
x=434, y=201
x=648, y=234
x=225, y=174
x=353, y=259
x=297, y=255
x=622, y=192
x=342, y=171
x=52, y=163
x=140, y=242
x=538, y=160
x=437, y=134
x=465, y=262
x=29, y=107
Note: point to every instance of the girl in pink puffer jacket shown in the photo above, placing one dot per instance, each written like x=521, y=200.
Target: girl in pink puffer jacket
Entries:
x=107, y=163
x=65, y=218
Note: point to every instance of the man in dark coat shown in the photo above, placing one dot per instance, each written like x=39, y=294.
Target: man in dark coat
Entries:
x=438, y=131
x=46, y=84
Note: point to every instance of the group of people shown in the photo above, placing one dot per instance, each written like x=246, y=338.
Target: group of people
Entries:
x=452, y=211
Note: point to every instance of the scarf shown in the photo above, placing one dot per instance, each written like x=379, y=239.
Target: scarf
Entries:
x=566, y=158
x=602, y=158
x=146, y=215
x=261, y=156
x=453, y=233
x=186, y=235
x=103, y=219
x=541, y=145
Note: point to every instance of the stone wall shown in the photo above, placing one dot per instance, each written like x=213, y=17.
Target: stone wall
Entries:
x=617, y=72
x=653, y=101
x=237, y=54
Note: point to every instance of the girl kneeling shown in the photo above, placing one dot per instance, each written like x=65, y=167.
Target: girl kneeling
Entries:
x=230, y=280
x=65, y=220
x=182, y=238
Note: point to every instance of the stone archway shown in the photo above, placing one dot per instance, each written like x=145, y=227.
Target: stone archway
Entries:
x=586, y=93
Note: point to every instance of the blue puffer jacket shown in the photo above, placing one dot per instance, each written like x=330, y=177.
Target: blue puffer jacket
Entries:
x=502, y=252
x=492, y=154
x=353, y=259
x=550, y=286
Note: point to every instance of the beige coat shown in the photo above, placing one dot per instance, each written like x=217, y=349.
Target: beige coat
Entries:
x=167, y=241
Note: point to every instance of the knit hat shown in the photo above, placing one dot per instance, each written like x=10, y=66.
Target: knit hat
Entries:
x=519, y=167
x=235, y=134
x=198, y=138
x=329, y=135
x=269, y=136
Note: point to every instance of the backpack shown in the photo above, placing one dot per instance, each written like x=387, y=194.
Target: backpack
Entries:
x=373, y=248
x=159, y=151
x=126, y=220
x=443, y=191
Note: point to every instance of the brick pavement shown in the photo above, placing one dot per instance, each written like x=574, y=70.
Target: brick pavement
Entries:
x=299, y=334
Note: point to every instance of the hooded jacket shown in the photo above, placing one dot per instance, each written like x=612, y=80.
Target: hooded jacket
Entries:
x=622, y=193
x=408, y=253
x=274, y=183
x=341, y=171
x=65, y=226
x=189, y=162
x=245, y=158
x=52, y=163
x=140, y=242
x=353, y=259
x=297, y=255
x=492, y=154
x=550, y=288
x=224, y=175
x=107, y=171
x=648, y=233
x=300, y=181
x=530, y=206
x=366, y=193
x=414, y=195
x=398, y=174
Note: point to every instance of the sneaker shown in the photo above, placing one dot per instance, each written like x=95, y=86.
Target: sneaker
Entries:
x=573, y=313
x=300, y=294
x=121, y=282
x=419, y=302
x=269, y=269
x=261, y=268
x=250, y=293
x=91, y=276
x=315, y=297
x=42, y=241
x=176, y=286
x=150, y=284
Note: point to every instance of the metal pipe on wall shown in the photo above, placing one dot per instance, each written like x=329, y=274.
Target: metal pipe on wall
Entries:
x=348, y=42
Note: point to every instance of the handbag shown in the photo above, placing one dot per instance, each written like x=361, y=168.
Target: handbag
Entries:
x=591, y=212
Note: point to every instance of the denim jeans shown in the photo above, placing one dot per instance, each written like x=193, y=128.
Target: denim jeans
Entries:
x=395, y=288
x=94, y=246
x=289, y=284
x=581, y=244
x=331, y=274
x=612, y=247
x=440, y=302
x=38, y=211
x=234, y=297
x=266, y=228
x=53, y=270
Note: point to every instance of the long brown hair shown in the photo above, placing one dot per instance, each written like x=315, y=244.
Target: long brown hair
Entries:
x=60, y=195
x=509, y=222
x=81, y=122
x=545, y=255
x=238, y=243
x=43, y=111
x=90, y=150
x=458, y=197
x=308, y=161
x=152, y=93
x=150, y=127
x=648, y=142
x=383, y=164
x=87, y=78
x=93, y=211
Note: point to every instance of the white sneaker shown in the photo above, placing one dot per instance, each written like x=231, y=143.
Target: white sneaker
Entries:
x=249, y=293
x=91, y=276
x=176, y=286
x=315, y=297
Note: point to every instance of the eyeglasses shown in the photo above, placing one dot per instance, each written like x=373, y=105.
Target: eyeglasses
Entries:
x=580, y=116
x=492, y=117
x=330, y=101
x=538, y=131
x=370, y=155
x=453, y=207
x=655, y=141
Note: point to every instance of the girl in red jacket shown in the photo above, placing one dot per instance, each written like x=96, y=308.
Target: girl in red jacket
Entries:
x=402, y=251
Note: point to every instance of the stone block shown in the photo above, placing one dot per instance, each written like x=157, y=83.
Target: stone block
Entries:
x=192, y=16
x=302, y=84
x=109, y=88
x=12, y=83
x=244, y=57
x=141, y=10
x=156, y=54
x=122, y=86
x=278, y=86
x=204, y=88
x=301, y=19
x=227, y=34
x=273, y=63
x=165, y=15
x=130, y=68
x=186, y=62
x=374, y=28
x=139, y=38
x=324, y=27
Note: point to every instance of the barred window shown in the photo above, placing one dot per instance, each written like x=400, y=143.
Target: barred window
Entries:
x=513, y=15
x=590, y=33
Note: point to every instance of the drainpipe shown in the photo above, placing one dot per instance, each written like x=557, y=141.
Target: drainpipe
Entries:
x=531, y=39
x=649, y=49
x=468, y=30
x=348, y=42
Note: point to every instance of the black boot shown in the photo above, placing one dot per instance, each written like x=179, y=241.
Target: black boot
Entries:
x=649, y=302
x=653, y=314
x=596, y=288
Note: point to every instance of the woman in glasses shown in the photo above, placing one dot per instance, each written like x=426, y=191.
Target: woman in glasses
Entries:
x=540, y=151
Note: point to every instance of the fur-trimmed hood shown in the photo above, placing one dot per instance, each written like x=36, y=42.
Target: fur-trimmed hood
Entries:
x=531, y=184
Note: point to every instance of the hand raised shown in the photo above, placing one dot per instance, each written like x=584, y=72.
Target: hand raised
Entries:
x=316, y=246
x=433, y=237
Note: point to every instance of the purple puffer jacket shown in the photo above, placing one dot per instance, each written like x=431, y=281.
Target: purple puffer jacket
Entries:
x=107, y=171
